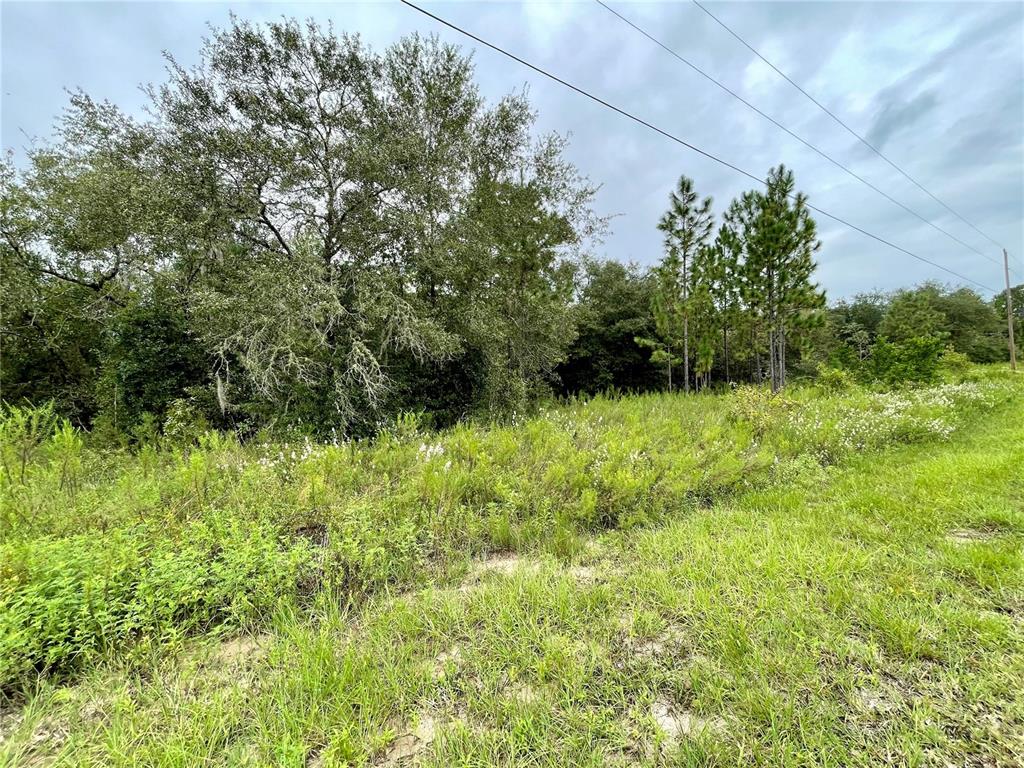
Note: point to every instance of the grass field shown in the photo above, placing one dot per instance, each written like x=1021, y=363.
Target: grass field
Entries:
x=820, y=579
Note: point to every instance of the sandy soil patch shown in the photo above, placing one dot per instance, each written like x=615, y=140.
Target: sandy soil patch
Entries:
x=677, y=723
x=242, y=650
x=969, y=535
x=408, y=746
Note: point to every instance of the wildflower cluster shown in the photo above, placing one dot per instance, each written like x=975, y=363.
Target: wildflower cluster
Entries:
x=284, y=457
x=830, y=430
x=428, y=451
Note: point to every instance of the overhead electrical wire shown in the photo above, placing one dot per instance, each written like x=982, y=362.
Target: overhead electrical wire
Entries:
x=850, y=130
x=782, y=127
x=678, y=140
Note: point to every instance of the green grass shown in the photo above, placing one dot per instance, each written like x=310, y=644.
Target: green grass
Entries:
x=729, y=580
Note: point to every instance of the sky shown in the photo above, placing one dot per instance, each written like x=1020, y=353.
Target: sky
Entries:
x=937, y=87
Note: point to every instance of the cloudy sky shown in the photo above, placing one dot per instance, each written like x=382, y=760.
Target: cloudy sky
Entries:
x=938, y=87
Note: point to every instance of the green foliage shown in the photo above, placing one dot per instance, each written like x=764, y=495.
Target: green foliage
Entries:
x=960, y=317
x=307, y=229
x=306, y=236
x=149, y=359
x=675, y=303
x=834, y=380
x=999, y=304
x=774, y=240
x=759, y=408
x=913, y=361
x=185, y=423
x=912, y=315
x=627, y=637
x=955, y=364
x=614, y=308
x=24, y=431
x=65, y=601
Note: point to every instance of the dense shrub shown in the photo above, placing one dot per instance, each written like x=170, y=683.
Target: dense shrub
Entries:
x=913, y=361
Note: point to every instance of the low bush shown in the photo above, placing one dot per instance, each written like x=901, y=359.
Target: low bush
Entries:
x=833, y=380
x=913, y=361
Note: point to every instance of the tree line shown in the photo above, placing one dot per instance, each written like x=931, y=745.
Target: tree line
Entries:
x=307, y=233
x=891, y=338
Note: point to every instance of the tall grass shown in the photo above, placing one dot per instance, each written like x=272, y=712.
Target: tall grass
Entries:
x=106, y=552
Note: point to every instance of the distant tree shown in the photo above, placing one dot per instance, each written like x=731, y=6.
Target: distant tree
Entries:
x=864, y=311
x=958, y=317
x=912, y=314
x=972, y=324
x=49, y=342
x=149, y=358
x=999, y=302
x=912, y=361
x=725, y=277
x=668, y=344
x=84, y=227
x=708, y=305
x=614, y=308
x=686, y=225
x=523, y=305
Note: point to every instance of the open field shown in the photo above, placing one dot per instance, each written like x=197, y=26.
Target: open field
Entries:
x=812, y=579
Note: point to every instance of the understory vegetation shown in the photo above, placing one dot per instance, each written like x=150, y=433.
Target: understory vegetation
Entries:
x=688, y=522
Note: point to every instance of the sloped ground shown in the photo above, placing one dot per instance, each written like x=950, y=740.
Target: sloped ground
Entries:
x=867, y=615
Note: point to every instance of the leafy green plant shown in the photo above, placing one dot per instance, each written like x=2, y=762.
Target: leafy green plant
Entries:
x=24, y=430
x=66, y=445
x=955, y=364
x=184, y=424
x=833, y=380
x=913, y=361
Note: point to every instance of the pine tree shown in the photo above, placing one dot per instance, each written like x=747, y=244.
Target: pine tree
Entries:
x=777, y=239
x=687, y=225
x=725, y=288
x=704, y=311
x=669, y=317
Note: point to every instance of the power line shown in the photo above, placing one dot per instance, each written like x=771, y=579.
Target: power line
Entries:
x=803, y=141
x=850, y=130
x=678, y=140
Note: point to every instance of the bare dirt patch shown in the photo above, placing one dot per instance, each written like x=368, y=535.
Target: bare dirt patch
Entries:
x=446, y=659
x=10, y=721
x=242, y=650
x=670, y=642
x=969, y=536
x=525, y=694
x=47, y=736
x=406, y=747
x=678, y=723
x=505, y=563
x=584, y=574
x=874, y=701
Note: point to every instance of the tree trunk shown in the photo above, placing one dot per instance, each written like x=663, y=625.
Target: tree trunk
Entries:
x=686, y=354
x=725, y=345
x=757, y=355
x=782, y=355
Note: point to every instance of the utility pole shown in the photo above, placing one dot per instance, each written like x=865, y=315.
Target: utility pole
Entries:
x=1009, y=311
